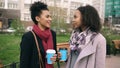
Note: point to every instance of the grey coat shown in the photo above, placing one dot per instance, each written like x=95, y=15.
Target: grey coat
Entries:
x=93, y=55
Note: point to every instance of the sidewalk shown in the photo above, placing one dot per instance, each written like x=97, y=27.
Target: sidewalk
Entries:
x=111, y=62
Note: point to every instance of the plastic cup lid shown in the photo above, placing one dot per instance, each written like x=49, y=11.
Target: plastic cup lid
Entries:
x=50, y=51
x=63, y=49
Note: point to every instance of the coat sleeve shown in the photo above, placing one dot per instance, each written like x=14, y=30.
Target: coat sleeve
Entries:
x=54, y=39
x=55, y=42
x=100, y=54
x=26, y=51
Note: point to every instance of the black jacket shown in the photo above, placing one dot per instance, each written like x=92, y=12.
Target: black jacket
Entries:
x=29, y=54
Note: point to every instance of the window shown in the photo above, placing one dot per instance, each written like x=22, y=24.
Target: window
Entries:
x=0, y=14
x=72, y=6
x=65, y=0
x=26, y=6
x=2, y=4
x=27, y=17
x=12, y=5
x=116, y=6
x=51, y=0
x=117, y=2
x=58, y=1
x=9, y=5
x=109, y=3
x=0, y=24
x=75, y=5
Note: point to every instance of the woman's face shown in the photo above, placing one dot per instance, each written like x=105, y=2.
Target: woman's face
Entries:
x=44, y=20
x=77, y=19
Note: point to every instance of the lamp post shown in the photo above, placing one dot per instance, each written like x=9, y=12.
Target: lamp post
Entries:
x=110, y=20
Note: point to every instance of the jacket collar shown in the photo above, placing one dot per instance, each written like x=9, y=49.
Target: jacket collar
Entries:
x=87, y=50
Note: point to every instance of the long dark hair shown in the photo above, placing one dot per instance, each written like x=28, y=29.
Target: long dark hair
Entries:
x=90, y=18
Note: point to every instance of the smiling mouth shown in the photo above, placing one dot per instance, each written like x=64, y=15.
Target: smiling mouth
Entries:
x=49, y=22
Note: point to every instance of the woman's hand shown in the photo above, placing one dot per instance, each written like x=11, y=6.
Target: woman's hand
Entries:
x=59, y=55
x=53, y=59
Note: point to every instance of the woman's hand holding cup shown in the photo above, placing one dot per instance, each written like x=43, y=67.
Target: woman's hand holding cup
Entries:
x=51, y=56
x=53, y=59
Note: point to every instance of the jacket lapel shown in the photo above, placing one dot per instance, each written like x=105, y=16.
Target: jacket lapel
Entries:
x=88, y=50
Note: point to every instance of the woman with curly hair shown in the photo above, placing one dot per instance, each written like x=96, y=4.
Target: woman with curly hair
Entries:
x=30, y=53
x=87, y=44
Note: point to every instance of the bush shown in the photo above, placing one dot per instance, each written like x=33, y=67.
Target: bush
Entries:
x=109, y=35
x=16, y=24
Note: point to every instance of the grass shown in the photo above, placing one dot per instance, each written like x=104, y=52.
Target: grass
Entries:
x=10, y=50
x=63, y=38
x=109, y=39
x=10, y=47
x=115, y=37
x=112, y=37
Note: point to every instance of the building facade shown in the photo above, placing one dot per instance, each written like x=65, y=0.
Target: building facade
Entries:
x=10, y=4
x=9, y=10
x=114, y=8
x=112, y=11
x=100, y=7
x=67, y=5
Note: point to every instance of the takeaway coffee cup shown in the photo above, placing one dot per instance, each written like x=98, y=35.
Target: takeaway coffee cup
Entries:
x=63, y=52
x=50, y=53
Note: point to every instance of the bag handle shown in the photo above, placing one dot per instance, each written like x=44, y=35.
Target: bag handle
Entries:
x=39, y=54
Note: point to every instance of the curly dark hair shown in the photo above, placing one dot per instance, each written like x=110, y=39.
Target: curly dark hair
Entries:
x=36, y=10
x=90, y=18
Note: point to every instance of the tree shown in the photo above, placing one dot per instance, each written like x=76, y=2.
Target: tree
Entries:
x=59, y=16
x=18, y=26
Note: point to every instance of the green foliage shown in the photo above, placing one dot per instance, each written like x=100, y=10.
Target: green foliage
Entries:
x=63, y=38
x=107, y=33
x=16, y=24
x=10, y=47
x=59, y=16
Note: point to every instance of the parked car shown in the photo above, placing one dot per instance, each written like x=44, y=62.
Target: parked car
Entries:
x=62, y=30
x=10, y=30
x=29, y=28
